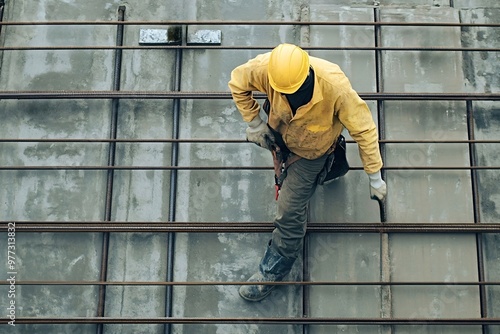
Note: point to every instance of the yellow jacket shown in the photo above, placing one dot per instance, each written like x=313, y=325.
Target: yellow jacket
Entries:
x=316, y=125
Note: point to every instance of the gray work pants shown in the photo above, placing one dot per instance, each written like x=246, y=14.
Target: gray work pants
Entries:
x=291, y=219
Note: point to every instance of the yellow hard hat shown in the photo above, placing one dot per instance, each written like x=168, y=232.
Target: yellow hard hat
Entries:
x=288, y=68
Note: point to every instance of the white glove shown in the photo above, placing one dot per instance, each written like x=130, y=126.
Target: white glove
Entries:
x=378, y=188
x=259, y=133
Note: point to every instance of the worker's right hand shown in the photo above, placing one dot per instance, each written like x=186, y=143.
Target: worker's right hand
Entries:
x=259, y=133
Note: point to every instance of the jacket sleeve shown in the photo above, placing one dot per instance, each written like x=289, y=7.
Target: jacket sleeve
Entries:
x=246, y=79
x=355, y=115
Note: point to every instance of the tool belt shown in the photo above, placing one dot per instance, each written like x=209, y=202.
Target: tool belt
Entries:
x=336, y=164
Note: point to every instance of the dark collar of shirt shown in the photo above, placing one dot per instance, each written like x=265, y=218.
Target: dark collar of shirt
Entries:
x=303, y=95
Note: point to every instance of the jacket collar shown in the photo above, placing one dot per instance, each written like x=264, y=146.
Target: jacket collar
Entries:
x=316, y=97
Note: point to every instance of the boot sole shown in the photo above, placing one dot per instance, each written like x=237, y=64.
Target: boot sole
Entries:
x=259, y=298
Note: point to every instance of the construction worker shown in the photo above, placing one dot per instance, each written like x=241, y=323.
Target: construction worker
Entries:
x=310, y=101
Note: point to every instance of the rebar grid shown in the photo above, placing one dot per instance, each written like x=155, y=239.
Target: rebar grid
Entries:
x=172, y=226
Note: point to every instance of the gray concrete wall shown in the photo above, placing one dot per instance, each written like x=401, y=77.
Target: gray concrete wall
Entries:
x=480, y=69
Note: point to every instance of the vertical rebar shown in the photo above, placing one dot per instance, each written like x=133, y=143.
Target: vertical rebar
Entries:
x=305, y=31
x=306, y=276
x=111, y=162
x=385, y=271
x=379, y=82
x=475, y=205
x=2, y=6
x=173, y=190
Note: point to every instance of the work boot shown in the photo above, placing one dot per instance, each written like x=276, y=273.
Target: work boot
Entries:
x=273, y=268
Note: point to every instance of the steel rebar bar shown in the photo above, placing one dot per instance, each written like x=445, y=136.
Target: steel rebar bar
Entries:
x=237, y=283
x=252, y=22
x=248, y=227
x=241, y=47
x=68, y=94
x=257, y=320
x=103, y=273
x=169, y=304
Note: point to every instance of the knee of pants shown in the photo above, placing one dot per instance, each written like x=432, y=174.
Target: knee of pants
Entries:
x=288, y=247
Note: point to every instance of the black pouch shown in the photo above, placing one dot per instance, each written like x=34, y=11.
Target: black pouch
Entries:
x=336, y=164
x=278, y=139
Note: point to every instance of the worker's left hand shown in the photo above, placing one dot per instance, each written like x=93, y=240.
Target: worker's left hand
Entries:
x=259, y=133
x=378, y=187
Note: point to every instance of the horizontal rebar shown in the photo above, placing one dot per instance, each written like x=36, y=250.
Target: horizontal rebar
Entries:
x=239, y=48
x=69, y=94
x=246, y=227
x=224, y=141
x=213, y=283
x=255, y=320
x=251, y=22
x=226, y=168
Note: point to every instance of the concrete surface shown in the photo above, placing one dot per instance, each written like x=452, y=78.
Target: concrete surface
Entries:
x=480, y=71
x=245, y=195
